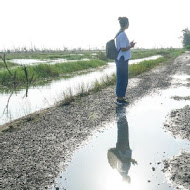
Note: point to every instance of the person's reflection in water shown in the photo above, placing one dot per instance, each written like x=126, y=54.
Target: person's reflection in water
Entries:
x=120, y=158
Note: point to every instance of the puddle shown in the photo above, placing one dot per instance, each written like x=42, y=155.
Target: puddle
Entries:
x=17, y=104
x=137, y=132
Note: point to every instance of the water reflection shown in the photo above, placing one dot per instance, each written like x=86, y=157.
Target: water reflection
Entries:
x=7, y=110
x=120, y=157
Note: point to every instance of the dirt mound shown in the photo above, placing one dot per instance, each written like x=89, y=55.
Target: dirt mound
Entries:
x=177, y=170
x=178, y=122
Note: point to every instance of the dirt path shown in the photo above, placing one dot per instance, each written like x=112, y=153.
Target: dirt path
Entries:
x=37, y=147
x=178, y=123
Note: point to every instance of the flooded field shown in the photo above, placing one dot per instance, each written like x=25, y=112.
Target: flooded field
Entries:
x=130, y=153
x=54, y=61
x=16, y=104
x=36, y=61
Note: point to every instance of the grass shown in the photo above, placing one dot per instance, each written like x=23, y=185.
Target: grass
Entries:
x=46, y=71
x=139, y=54
x=9, y=64
x=70, y=55
x=137, y=69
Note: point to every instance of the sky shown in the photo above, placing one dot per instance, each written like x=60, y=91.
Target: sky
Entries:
x=91, y=23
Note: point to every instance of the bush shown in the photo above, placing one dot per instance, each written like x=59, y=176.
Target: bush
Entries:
x=186, y=38
x=102, y=56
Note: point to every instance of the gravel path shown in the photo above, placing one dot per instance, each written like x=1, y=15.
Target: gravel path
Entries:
x=35, y=148
x=177, y=170
x=179, y=123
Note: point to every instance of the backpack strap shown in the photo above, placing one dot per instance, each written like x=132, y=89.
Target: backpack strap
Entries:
x=118, y=34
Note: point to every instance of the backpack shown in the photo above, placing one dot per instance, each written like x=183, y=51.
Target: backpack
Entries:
x=111, y=50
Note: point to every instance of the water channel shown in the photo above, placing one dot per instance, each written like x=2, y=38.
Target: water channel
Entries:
x=48, y=61
x=16, y=104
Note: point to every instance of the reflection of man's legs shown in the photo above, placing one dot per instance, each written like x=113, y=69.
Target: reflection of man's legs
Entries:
x=122, y=127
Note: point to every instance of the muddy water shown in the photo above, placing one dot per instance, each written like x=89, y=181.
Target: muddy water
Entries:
x=16, y=104
x=136, y=132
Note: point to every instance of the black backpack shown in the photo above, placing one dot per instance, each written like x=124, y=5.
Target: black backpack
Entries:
x=111, y=50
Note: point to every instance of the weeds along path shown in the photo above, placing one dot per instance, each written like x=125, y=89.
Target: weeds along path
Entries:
x=34, y=149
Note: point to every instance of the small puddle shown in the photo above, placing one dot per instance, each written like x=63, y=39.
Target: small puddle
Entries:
x=136, y=132
x=17, y=104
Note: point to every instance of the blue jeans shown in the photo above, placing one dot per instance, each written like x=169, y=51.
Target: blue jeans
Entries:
x=122, y=76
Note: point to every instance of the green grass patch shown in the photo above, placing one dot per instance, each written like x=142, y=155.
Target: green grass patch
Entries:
x=46, y=71
x=142, y=53
x=136, y=69
x=70, y=55
x=9, y=64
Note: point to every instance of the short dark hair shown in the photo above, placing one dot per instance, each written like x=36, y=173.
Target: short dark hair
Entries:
x=123, y=21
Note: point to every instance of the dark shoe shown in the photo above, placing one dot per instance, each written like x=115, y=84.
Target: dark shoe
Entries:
x=122, y=102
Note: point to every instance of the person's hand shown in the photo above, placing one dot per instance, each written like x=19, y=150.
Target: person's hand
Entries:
x=134, y=162
x=132, y=44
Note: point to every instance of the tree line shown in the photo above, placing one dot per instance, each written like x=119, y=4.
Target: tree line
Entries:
x=186, y=38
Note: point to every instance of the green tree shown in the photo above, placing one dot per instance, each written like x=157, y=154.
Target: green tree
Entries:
x=186, y=38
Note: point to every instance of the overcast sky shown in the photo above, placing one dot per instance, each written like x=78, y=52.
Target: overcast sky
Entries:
x=91, y=23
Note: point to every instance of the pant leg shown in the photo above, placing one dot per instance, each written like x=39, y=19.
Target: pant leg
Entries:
x=122, y=77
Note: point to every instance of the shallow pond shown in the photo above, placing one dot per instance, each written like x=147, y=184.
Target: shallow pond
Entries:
x=16, y=104
x=136, y=132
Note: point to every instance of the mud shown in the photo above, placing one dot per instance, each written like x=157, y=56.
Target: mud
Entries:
x=181, y=98
x=35, y=148
x=179, y=123
x=177, y=170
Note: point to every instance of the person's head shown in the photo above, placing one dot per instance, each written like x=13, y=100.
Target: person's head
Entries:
x=126, y=179
x=124, y=22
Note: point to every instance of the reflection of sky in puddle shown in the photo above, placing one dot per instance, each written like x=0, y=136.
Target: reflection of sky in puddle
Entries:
x=89, y=168
x=45, y=96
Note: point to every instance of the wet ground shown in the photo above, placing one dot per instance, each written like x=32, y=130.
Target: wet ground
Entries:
x=179, y=122
x=136, y=133
x=99, y=165
x=177, y=170
x=102, y=142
